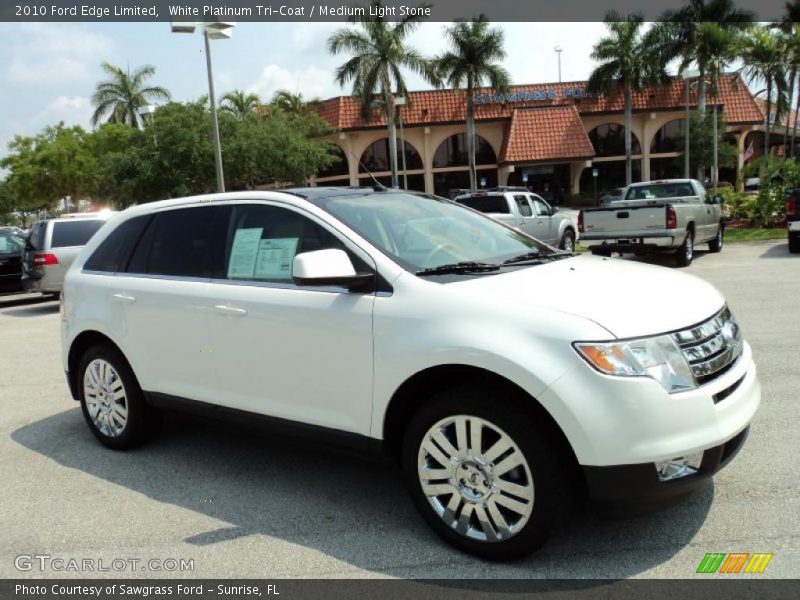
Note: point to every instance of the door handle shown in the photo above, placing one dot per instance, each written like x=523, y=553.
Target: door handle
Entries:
x=124, y=298
x=230, y=310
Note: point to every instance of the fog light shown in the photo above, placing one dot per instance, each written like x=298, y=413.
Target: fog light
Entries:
x=675, y=468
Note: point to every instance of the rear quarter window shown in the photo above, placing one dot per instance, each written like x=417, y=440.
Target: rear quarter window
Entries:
x=74, y=233
x=495, y=204
x=113, y=253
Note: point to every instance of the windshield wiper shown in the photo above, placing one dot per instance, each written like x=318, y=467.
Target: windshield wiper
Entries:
x=459, y=267
x=536, y=257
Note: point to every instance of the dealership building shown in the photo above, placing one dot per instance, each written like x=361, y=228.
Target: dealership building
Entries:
x=556, y=138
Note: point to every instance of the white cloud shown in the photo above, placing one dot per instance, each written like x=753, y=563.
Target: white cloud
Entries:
x=48, y=54
x=73, y=110
x=312, y=82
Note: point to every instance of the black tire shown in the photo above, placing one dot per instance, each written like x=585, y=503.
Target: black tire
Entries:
x=794, y=243
x=142, y=422
x=568, y=239
x=685, y=254
x=716, y=244
x=548, y=468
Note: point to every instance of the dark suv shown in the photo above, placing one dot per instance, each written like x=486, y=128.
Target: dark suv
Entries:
x=12, y=243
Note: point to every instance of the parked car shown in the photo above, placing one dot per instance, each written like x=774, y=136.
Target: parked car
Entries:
x=12, y=242
x=52, y=246
x=484, y=361
x=667, y=215
x=526, y=211
x=612, y=196
x=793, y=219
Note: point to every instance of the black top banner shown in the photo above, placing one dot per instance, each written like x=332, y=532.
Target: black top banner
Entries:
x=343, y=10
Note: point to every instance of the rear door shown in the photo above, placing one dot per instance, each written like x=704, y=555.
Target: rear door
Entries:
x=164, y=297
x=542, y=229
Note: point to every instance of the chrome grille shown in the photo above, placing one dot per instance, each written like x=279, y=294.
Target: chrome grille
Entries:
x=711, y=347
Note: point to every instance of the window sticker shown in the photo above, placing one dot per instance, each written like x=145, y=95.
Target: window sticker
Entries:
x=275, y=258
x=244, y=252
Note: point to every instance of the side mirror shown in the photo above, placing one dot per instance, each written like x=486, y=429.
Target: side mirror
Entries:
x=327, y=267
x=719, y=199
x=554, y=210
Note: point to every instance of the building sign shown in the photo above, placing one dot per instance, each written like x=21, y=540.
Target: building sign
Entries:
x=534, y=95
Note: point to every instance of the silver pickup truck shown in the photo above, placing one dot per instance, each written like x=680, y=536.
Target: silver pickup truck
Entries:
x=667, y=215
x=526, y=211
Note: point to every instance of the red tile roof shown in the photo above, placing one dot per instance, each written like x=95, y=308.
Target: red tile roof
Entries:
x=787, y=119
x=546, y=133
x=449, y=106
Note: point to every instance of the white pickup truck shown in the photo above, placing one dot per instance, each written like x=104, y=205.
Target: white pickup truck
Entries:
x=672, y=214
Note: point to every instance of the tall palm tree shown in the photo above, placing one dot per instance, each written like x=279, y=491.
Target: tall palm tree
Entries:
x=790, y=25
x=693, y=42
x=471, y=61
x=124, y=95
x=379, y=53
x=629, y=60
x=239, y=103
x=763, y=53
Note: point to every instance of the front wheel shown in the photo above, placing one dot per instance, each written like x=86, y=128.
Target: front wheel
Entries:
x=685, y=254
x=567, y=241
x=483, y=474
x=112, y=401
x=715, y=245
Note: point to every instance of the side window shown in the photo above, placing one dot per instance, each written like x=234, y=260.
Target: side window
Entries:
x=265, y=239
x=185, y=242
x=113, y=252
x=523, y=206
x=541, y=207
x=36, y=238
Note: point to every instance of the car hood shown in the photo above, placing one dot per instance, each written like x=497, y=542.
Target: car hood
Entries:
x=629, y=299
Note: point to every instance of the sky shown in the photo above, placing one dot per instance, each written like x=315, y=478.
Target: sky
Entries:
x=48, y=71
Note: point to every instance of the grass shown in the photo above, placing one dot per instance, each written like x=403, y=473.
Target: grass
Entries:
x=747, y=234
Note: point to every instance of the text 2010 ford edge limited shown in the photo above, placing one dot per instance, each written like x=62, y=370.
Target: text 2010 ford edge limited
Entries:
x=505, y=376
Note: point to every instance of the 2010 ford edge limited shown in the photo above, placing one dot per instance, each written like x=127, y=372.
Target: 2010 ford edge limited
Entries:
x=504, y=375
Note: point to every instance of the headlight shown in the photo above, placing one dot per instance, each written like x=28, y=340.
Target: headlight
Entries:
x=656, y=357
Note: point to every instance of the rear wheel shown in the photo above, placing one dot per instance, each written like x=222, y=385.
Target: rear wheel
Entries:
x=567, y=241
x=685, y=254
x=112, y=401
x=484, y=474
x=715, y=245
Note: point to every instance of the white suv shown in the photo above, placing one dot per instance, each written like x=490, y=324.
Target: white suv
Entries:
x=503, y=375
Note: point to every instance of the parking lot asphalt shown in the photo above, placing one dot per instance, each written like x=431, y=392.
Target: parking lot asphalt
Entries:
x=241, y=505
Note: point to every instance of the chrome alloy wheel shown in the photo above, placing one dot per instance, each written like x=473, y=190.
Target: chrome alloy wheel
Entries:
x=476, y=478
x=106, y=401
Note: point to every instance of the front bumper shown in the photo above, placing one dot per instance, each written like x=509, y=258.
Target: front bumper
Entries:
x=627, y=490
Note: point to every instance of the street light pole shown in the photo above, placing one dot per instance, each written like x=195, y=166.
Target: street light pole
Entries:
x=686, y=171
x=214, y=30
x=401, y=101
x=558, y=50
x=214, y=122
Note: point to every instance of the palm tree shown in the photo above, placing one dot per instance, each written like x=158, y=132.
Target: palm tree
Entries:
x=763, y=55
x=123, y=95
x=289, y=103
x=379, y=52
x=692, y=41
x=790, y=25
x=471, y=61
x=240, y=104
x=629, y=60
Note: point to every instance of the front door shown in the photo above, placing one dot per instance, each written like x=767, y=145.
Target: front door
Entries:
x=296, y=353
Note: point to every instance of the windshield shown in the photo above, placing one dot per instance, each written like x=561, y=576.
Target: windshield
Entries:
x=423, y=232
x=11, y=243
x=660, y=190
